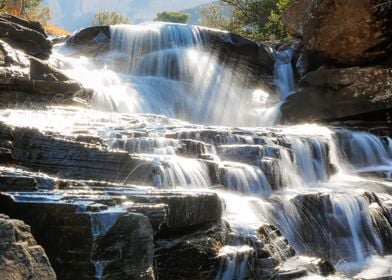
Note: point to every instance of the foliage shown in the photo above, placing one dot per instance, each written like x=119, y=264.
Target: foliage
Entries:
x=256, y=19
x=54, y=30
x=110, y=18
x=383, y=4
x=32, y=10
x=172, y=17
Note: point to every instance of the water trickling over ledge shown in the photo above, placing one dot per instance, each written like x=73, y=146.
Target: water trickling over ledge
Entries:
x=216, y=201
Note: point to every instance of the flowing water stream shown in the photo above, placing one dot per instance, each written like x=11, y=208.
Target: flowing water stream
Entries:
x=328, y=190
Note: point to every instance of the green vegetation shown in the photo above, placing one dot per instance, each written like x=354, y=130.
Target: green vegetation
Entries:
x=31, y=10
x=172, y=17
x=255, y=19
x=110, y=18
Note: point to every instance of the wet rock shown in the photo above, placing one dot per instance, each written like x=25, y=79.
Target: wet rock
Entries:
x=191, y=256
x=108, y=232
x=233, y=49
x=184, y=210
x=381, y=219
x=363, y=32
x=40, y=70
x=17, y=184
x=25, y=35
x=20, y=255
x=341, y=94
x=274, y=243
x=105, y=244
x=76, y=160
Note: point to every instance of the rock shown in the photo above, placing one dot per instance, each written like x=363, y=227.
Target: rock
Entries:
x=297, y=267
x=191, y=256
x=275, y=244
x=59, y=39
x=105, y=244
x=76, y=160
x=232, y=48
x=341, y=94
x=39, y=70
x=25, y=35
x=363, y=32
x=293, y=17
x=28, y=81
x=90, y=41
x=108, y=232
x=20, y=255
x=97, y=37
x=17, y=184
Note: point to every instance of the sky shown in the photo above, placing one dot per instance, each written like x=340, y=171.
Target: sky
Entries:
x=75, y=14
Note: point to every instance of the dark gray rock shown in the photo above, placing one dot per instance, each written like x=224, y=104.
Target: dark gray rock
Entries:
x=190, y=256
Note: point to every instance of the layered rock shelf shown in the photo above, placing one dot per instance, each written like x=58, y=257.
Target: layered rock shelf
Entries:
x=88, y=195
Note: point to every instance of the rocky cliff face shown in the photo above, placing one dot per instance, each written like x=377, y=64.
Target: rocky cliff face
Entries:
x=335, y=35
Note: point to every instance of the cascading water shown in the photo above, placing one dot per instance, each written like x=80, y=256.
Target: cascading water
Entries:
x=284, y=73
x=316, y=185
x=165, y=69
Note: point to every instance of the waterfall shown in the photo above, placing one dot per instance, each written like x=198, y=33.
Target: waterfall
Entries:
x=165, y=69
x=284, y=73
x=193, y=123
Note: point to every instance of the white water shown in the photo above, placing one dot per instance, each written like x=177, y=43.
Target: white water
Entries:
x=306, y=180
x=165, y=69
x=284, y=73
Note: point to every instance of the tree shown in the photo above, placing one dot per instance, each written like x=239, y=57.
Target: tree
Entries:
x=32, y=10
x=110, y=18
x=383, y=4
x=172, y=17
x=255, y=19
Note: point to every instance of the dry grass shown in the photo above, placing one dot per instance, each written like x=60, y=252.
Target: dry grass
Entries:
x=55, y=31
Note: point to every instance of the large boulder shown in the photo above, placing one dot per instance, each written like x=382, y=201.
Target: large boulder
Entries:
x=20, y=255
x=348, y=32
x=293, y=17
x=25, y=35
x=341, y=94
